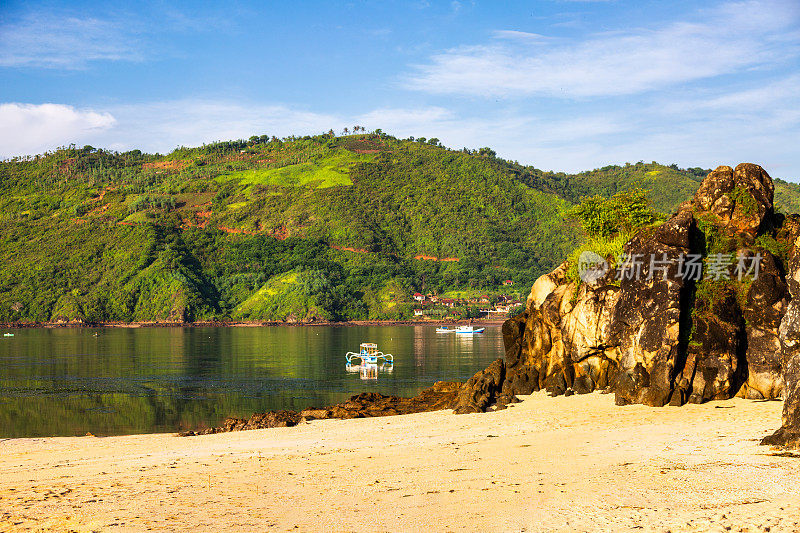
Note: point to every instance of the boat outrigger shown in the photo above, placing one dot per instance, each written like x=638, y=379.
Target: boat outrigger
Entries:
x=368, y=353
x=469, y=330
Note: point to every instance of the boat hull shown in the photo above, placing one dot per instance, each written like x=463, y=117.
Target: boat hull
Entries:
x=470, y=331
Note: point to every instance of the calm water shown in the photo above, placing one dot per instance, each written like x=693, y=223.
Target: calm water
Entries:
x=117, y=381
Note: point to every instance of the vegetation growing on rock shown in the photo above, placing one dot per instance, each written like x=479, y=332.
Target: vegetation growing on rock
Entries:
x=671, y=339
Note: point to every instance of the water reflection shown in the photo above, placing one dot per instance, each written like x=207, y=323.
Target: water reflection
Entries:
x=69, y=381
x=369, y=371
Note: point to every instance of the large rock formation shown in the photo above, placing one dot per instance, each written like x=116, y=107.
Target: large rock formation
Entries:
x=702, y=309
x=653, y=333
x=766, y=305
x=645, y=322
x=789, y=335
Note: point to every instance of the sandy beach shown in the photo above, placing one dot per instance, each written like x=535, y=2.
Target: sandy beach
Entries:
x=565, y=463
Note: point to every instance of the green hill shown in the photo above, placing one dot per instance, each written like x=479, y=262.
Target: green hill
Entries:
x=293, y=297
x=359, y=222
x=668, y=185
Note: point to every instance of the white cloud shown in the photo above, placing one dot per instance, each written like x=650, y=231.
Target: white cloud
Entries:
x=520, y=36
x=566, y=143
x=162, y=126
x=771, y=97
x=405, y=122
x=727, y=129
x=29, y=129
x=51, y=41
x=731, y=38
x=155, y=127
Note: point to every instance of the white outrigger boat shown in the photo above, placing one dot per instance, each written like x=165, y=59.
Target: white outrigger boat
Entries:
x=368, y=354
x=468, y=330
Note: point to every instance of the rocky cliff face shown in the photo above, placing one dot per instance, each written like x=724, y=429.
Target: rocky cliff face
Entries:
x=789, y=339
x=702, y=310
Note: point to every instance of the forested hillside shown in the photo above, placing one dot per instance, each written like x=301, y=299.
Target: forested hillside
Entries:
x=668, y=185
x=321, y=227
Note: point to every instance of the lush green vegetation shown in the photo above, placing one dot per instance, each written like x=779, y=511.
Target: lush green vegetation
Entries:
x=625, y=212
x=215, y=232
x=787, y=196
x=360, y=222
x=609, y=223
x=668, y=185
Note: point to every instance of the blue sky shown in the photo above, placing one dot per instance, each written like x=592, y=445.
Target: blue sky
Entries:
x=562, y=85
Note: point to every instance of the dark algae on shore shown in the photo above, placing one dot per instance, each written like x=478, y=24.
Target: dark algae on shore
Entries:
x=442, y=395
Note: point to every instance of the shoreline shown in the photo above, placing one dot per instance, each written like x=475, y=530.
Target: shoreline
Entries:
x=563, y=463
x=246, y=324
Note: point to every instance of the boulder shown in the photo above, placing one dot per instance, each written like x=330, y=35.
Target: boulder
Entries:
x=442, y=395
x=550, y=357
x=520, y=377
x=535, y=358
x=715, y=354
x=271, y=419
x=741, y=199
x=789, y=334
x=559, y=342
x=767, y=299
x=545, y=285
x=481, y=390
x=588, y=363
x=646, y=320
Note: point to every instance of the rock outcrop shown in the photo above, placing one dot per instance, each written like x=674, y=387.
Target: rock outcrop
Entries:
x=706, y=313
x=645, y=321
x=767, y=301
x=442, y=395
x=481, y=390
x=741, y=199
x=789, y=335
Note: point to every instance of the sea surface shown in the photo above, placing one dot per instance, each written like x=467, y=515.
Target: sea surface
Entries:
x=114, y=381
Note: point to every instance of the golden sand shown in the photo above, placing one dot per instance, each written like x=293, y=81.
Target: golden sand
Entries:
x=565, y=463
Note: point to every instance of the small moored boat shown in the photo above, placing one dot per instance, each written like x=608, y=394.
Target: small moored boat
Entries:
x=368, y=353
x=468, y=330
x=8, y=334
x=444, y=329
